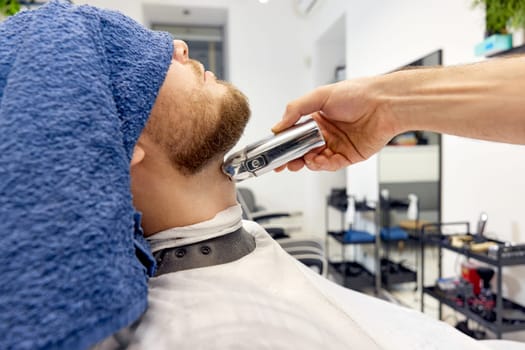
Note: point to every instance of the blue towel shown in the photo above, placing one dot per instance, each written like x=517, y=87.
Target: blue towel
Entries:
x=393, y=234
x=76, y=88
x=355, y=236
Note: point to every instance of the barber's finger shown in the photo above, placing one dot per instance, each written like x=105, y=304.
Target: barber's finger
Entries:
x=307, y=104
x=298, y=164
x=280, y=168
x=295, y=165
x=313, y=166
x=309, y=157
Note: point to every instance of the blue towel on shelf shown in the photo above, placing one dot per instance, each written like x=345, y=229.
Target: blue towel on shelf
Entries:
x=393, y=234
x=76, y=87
x=355, y=236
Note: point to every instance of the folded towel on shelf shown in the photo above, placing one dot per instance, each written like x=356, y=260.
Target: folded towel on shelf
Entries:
x=393, y=234
x=355, y=236
x=76, y=87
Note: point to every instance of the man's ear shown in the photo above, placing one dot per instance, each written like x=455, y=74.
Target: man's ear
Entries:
x=138, y=155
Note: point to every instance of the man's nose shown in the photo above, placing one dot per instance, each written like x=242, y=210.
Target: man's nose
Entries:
x=180, y=51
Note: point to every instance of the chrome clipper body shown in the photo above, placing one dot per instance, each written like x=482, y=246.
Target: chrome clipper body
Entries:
x=271, y=152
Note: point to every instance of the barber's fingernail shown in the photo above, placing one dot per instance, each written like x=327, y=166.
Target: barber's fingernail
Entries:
x=324, y=166
x=310, y=165
x=276, y=127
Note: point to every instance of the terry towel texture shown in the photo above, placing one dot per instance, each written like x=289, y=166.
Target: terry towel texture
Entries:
x=76, y=88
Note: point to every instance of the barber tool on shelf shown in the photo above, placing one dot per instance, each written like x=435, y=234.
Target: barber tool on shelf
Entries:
x=269, y=153
x=484, y=302
x=476, y=242
x=485, y=274
x=473, y=290
x=482, y=223
x=480, y=243
x=469, y=273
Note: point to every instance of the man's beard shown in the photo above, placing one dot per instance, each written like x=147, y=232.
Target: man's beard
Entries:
x=197, y=135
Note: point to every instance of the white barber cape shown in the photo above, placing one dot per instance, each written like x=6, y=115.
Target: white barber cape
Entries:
x=268, y=300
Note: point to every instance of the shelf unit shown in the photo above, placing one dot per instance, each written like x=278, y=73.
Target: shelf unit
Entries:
x=354, y=275
x=503, y=307
x=515, y=50
x=393, y=273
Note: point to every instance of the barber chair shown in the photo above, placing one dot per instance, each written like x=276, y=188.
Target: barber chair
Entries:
x=306, y=249
x=277, y=223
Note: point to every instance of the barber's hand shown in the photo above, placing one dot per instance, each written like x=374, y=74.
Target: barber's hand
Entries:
x=352, y=119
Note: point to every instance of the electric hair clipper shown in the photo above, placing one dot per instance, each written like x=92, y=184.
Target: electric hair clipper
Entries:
x=263, y=156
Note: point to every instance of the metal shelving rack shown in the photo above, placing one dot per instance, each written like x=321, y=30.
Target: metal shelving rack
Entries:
x=403, y=274
x=362, y=277
x=501, y=324
x=366, y=277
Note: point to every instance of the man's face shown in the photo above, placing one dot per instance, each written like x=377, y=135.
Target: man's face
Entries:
x=195, y=118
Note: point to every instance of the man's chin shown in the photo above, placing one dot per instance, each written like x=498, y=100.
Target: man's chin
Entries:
x=214, y=127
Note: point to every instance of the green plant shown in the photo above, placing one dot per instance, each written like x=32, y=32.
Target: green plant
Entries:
x=501, y=15
x=9, y=7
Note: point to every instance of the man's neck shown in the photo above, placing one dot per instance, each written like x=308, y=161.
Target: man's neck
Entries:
x=175, y=200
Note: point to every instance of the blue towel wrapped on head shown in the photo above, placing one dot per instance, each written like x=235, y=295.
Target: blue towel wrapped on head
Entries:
x=76, y=87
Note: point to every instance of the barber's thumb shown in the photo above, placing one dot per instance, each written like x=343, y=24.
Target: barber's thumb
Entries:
x=289, y=118
x=286, y=122
x=279, y=127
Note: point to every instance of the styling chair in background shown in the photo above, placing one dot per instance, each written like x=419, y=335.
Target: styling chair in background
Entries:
x=306, y=249
x=259, y=213
x=271, y=220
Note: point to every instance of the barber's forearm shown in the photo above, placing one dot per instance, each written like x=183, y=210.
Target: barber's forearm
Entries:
x=484, y=100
